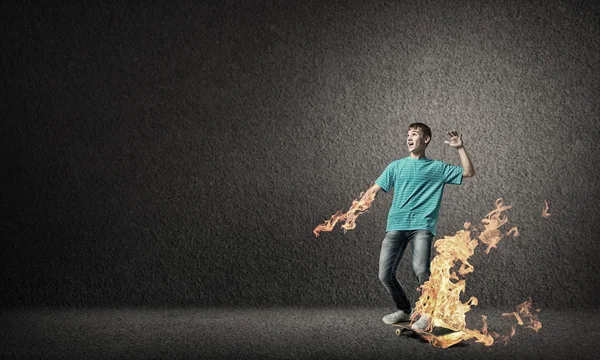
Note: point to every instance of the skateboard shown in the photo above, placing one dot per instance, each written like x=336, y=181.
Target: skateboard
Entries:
x=403, y=328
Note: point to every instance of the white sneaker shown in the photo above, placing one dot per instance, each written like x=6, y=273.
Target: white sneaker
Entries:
x=398, y=316
x=421, y=324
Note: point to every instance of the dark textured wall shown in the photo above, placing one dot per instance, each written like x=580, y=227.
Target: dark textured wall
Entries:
x=183, y=154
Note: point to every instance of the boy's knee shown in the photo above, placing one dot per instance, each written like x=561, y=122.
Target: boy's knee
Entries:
x=385, y=277
x=422, y=273
x=422, y=276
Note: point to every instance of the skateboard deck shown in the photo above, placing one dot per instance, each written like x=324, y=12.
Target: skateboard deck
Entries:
x=403, y=328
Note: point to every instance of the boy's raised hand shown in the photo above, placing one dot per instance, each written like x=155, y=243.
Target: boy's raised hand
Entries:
x=455, y=140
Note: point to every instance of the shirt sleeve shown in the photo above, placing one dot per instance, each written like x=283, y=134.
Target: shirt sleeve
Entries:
x=453, y=174
x=387, y=178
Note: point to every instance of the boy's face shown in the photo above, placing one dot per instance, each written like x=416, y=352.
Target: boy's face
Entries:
x=415, y=141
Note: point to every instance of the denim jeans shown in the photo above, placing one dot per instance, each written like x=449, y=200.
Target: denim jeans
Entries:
x=392, y=249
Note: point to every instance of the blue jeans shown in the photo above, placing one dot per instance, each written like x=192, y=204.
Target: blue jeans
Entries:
x=392, y=249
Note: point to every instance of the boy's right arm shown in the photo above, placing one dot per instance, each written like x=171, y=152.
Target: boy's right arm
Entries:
x=372, y=190
x=375, y=188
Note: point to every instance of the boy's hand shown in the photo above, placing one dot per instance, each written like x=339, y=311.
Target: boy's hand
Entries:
x=455, y=140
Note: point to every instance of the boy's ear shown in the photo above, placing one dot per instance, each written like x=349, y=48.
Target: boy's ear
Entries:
x=427, y=139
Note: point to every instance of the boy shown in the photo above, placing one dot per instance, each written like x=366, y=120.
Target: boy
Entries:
x=418, y=184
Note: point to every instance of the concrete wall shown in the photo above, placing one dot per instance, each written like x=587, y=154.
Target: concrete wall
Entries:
x=183, y=154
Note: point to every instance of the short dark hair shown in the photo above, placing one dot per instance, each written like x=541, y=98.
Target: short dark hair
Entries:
x=424, y=128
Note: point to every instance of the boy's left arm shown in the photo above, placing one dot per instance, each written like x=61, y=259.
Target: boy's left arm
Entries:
x=457, y=143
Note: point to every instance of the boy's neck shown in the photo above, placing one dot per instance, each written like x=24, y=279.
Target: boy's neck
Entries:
x=417, y=156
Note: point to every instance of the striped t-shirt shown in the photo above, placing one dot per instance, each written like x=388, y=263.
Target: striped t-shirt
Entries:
x=418, y=187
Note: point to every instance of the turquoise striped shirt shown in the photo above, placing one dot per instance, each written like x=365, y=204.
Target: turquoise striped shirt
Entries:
x=418, y=187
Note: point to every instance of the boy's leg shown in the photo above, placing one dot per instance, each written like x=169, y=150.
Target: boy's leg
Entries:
x=392, y=249
x=420, y=243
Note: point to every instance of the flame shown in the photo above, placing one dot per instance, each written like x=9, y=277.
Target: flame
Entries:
x=484, y=329
x=513, y=231
x=519, y=320
x=545, y=212
x=447, y=340
x=440, y=295
x=525, y=310
x=491, y=235
x=359, y=206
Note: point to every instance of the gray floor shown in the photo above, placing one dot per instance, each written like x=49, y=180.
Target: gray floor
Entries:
x=294, y=333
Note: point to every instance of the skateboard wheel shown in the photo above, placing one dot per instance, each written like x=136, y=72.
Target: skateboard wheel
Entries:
x=398, y=332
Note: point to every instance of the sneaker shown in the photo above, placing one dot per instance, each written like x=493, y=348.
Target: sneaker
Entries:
x=398, y=316
x=421, y=324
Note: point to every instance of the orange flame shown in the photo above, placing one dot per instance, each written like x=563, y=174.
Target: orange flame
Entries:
x=491, y=235
x=519, y=320
x=525, y=310
x=440, y=296
x=359, y=206
x=545, y=210
x=484, y=329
